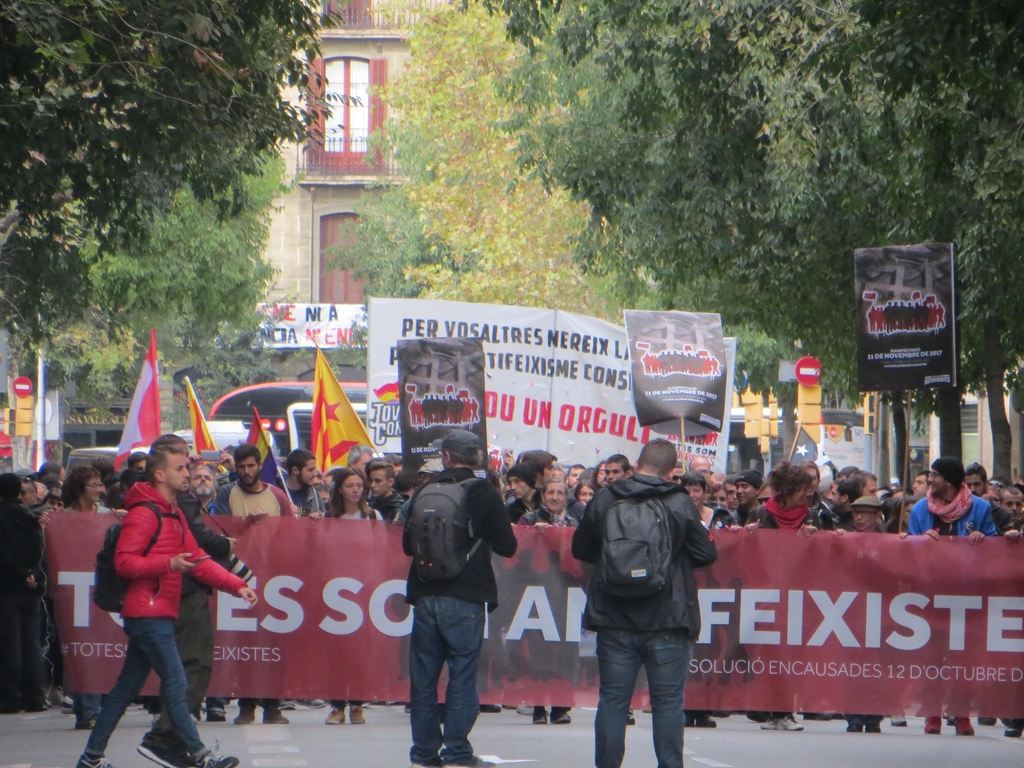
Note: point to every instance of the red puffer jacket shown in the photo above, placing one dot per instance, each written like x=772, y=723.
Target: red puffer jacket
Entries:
x=154, y=590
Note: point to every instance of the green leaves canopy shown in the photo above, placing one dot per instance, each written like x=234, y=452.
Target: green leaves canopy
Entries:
x=111, y=107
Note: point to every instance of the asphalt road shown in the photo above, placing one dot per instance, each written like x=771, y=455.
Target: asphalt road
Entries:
x=47, y=741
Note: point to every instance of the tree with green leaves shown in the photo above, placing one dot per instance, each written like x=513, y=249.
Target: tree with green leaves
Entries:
x=468, y=223
x=196, y=278
x=733, y=155
x=111, y=109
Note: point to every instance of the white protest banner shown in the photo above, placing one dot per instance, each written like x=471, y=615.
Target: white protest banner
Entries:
x=555, y=381
x=308, y=326
x=713, y=446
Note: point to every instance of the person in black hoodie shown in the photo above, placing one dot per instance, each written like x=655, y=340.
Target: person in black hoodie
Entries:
x=21, y=590
x=657, y=631
x=448, y=623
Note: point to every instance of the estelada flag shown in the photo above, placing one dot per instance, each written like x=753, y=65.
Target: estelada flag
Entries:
x=336, y=426
x=201, y=438
x=804, y=447
x=143, y=424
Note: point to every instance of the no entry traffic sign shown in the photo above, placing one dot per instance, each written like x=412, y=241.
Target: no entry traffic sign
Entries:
x=22, y=386
x=808, y=371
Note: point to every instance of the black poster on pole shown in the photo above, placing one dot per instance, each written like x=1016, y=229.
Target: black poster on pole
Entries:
x=441, y=385
x=906, y=324
x=679, y=367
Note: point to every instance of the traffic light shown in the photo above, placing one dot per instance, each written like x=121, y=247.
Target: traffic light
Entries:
x=808, y=409
x=772, y=424
x=24, y=415
x=753, y=415
x=870, y=413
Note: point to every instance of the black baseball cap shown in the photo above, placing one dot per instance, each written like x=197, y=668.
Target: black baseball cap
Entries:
x=457, y=441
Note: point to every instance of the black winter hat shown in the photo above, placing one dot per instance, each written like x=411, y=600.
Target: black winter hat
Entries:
x=751, y=477
x=525, y=471
x=10, y=486
x=951, y=469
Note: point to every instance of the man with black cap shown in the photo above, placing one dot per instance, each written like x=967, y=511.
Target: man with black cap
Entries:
x=522, y=483
x=748, y=485
x=21, y=591
x=950, y=509
x=450, y=595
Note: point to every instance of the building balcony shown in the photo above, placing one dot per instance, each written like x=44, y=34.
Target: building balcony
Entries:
x=389, y=15
x=336, y=159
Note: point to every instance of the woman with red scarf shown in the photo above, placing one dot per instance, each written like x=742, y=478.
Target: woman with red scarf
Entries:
x=950, y=509
x=788, y=509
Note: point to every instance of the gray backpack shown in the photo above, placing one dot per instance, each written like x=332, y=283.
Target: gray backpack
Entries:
x=636, y=551
x=441, y=531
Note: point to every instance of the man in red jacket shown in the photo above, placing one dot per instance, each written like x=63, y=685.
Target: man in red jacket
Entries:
x=151, y=607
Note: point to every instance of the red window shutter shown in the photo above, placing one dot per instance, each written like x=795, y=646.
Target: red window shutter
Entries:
x=317, y=88
x=378, y=79
x=337, y=286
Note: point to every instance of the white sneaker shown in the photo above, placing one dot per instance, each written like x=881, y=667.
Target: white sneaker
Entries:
x=771, y=724
x=787, y=723
x=525, y=709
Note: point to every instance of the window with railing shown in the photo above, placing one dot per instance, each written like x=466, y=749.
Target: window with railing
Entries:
x=347, y=93
x=351, y=109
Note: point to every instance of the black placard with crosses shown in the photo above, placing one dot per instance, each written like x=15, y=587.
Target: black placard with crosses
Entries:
x=441, y=385
x=679, y=367
x=906, y=319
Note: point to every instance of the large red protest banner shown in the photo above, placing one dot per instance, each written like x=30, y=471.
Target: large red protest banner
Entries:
x=862, y=623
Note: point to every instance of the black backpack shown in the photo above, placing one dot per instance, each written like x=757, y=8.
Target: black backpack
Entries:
x=110, y=589
x=440, y=531
x=636, y=551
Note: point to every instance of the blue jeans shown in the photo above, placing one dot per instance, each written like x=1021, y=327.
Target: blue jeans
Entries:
x=666, y=657
x=444, y=629
x=151, y=646
x=86, y=706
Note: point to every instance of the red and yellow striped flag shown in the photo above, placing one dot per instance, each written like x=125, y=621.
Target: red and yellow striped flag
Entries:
x=201, y=438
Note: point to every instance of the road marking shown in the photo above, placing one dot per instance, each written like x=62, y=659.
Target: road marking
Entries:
x=710, y=762
x=267, y=733
x=498, y=761
x=272, y=738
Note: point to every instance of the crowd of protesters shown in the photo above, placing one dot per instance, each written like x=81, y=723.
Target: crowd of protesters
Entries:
x=538, y=490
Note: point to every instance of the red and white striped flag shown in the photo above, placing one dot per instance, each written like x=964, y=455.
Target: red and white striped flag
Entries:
x=143, y=425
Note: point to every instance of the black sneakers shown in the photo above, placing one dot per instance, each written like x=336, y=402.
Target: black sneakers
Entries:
x=92, y=762
x=169, y=752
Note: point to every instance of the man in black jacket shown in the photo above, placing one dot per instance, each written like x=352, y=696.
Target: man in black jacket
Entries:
x=448, y=624
x=21, y=590
x=657, y=631
x=193, y=631
x=380, y=475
